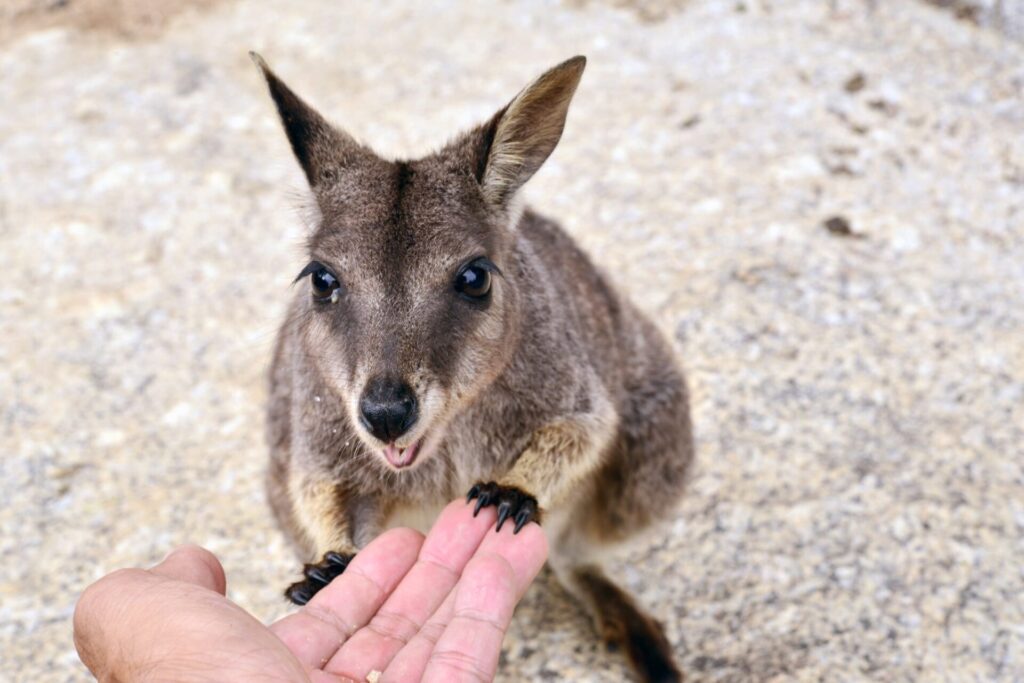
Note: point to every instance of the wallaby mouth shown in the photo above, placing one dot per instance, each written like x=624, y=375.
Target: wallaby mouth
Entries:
x=401, y=457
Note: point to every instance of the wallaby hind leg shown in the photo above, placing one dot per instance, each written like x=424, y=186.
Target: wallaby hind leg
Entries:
x=623, y=625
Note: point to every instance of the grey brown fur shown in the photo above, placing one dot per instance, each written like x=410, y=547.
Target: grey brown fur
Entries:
x=554, y=387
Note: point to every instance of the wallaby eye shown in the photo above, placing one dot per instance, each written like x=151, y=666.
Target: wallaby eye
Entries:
x=322, y=281
x=474, y=280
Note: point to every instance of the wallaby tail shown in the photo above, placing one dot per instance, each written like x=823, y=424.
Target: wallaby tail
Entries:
x=622, y=624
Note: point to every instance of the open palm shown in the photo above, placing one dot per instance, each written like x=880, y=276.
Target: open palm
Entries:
x=408, y=608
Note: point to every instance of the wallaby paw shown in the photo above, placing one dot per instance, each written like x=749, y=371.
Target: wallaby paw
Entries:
x=317, y=576
x=510, y=501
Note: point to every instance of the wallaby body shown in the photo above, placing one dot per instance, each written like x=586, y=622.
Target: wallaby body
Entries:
x=450, y=341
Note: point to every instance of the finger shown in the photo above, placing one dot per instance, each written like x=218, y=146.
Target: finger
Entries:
x=452, y=541
x=193, y=564
x=484, y=601
x=525, y=553
x=345, y=605
x=411, y=660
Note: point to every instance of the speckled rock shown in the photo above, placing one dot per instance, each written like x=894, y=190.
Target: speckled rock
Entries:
x=858, y=510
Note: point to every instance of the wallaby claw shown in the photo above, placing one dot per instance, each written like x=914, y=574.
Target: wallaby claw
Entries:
x=337, y=559
x=504, y=510
x=483, y=500
x=317, y=576
x=511, y=502
x=525, y=514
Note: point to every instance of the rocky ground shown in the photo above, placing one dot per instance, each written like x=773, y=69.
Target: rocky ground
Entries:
x=821, y=203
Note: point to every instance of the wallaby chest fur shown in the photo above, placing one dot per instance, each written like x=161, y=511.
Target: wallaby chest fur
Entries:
x=447, y=337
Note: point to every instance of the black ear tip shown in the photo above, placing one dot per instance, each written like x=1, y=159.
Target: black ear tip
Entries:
x=259, y=61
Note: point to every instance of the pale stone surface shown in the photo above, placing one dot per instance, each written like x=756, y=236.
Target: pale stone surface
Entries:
x=858, y=510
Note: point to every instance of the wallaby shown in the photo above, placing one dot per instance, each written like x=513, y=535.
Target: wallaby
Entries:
x=445, y=340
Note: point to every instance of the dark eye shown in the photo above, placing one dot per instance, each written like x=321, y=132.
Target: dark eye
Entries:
x=474, y=281
x=324, y=283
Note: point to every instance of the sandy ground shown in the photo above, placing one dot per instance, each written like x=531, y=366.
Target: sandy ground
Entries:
x=858, y=510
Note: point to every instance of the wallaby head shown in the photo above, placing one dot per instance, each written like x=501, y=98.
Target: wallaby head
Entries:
x=411, y=305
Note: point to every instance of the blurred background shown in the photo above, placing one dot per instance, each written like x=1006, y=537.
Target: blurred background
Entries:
x=820, y=202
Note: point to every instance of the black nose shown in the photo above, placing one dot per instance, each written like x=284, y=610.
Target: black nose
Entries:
x=387, y=408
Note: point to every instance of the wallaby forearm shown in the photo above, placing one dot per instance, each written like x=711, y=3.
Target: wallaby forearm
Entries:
x=559, y=456
x=319, y=508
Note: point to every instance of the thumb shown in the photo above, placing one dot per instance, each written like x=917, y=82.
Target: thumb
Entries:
x=195, y=565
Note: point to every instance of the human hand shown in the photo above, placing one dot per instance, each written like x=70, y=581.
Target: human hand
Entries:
x=432, y=609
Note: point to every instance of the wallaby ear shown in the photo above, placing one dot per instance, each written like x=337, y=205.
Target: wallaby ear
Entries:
x=520, y=137
x=322, y=149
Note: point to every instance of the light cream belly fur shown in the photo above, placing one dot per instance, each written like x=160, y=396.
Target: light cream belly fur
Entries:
x=418, y=517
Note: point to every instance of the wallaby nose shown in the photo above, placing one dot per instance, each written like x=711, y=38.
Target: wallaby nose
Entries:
x=387, y=408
